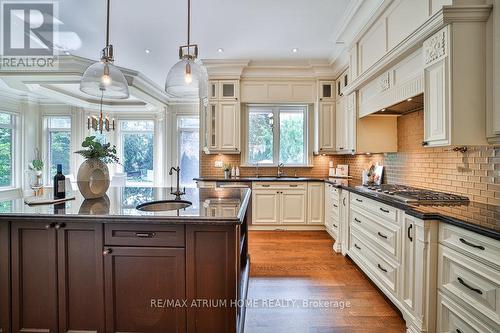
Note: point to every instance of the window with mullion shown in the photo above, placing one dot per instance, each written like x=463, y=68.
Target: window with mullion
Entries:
x=59, y=144
x=277, y=134
x=7, y=127
x=137, y=142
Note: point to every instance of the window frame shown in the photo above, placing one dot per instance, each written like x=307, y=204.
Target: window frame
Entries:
x=15, y=180
x=276, y=110
x=47, y=133
x=180, y=129
x=121, y=151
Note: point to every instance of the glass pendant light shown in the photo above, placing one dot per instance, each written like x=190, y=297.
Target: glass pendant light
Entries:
x=103, y=78
x=188, y=77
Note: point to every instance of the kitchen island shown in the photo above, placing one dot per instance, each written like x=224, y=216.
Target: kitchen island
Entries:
x=104, y=266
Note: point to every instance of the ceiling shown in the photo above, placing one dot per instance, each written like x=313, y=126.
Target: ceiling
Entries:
x=245, y=29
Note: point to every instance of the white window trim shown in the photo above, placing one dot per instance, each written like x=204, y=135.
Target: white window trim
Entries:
x=46, y=144
x=120, y=150
x=177, y=132
x=16, y=155
x=276, y=134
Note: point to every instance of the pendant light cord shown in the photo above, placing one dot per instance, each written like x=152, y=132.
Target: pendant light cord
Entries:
x=101, y=119
x=189, y=24
x=107, y=24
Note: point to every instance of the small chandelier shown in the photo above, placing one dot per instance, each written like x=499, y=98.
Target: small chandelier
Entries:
x=188, y=75
x=100, y=123
x=103, y=78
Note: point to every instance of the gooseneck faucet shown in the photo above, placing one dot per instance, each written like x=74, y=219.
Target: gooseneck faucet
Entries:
x=178, y=191
x=280, y=169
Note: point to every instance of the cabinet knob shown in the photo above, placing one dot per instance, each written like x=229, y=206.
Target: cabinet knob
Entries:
x=60, y=225
x=425, y=143
x=50, y=225
x=107, y=251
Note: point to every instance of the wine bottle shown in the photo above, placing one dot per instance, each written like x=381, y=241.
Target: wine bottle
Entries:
x=59, y=183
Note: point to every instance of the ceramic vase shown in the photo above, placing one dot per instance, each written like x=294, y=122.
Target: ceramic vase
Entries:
x=93, y=178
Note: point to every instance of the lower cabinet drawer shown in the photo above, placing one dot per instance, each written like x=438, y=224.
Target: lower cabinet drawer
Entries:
x=474, y=285
x=386, y=235
x=454, y=319
x=385, y=272
x=482, y=248
x=387, y=212
x=144, y=235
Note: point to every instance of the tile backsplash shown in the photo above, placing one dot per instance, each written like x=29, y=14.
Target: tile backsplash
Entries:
x=475, y=174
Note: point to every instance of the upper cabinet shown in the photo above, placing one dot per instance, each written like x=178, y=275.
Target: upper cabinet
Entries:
x=326, y=117
x=222, y=121
x=341, y=83
x=455, y=86
x=279, y=91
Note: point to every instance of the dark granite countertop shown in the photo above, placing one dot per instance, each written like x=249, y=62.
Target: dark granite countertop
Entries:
x=209, y=206
x=475, y=216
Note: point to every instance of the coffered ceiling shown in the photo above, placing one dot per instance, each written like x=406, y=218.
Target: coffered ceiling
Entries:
x=244, y=29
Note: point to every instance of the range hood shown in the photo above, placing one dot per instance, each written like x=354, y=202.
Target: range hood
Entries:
x=413, y=104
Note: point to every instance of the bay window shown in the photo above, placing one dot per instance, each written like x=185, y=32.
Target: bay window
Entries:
x=188, y=150
x=276, y=134
x=7, y=142
x=137, y=145
x=58, y=144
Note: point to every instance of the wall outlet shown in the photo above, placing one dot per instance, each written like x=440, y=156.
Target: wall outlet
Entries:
x=218, y=164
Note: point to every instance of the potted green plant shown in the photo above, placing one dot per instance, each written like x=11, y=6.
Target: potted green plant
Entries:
x=227, y=170
x=36, y=165
x=93, y=174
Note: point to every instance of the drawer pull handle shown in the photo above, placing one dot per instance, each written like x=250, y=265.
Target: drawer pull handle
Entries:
x=382, y=235
x=293, y=185
x=107, y=251
x=355, y=219
x=458, y=331
x=409, y=233
x=356, y=246
x=462, y=282
x=334, y=205
x=335, y=226
x=471, y=245
x=145, y=234
x=266, y=185
x=343, y=201
x=359, y=200
x=382, y=268
x=384, y=210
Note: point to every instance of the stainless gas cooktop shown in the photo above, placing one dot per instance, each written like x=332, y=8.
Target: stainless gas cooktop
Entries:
x=414, y=195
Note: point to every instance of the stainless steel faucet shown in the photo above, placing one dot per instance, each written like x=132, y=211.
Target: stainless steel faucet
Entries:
x=257, y=170
x=178, y=191
x=280, y=169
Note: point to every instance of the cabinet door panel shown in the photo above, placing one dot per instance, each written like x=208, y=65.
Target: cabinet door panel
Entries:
x=327, y=126
x=81, y=281
x=229, y=124
x=315, y=203
x=34, y=280
x=436, y=104
x=293, y=207
x=137, y=281
x=4, y=278
x=212, y=126
x=265, y=207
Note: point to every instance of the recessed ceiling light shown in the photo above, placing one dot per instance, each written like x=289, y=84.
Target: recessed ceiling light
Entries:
x=409, y=99
x=220, y=50
x=295, y=50
x=148, y=51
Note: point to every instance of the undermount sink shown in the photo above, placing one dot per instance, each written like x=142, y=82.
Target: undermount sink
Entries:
x=163, y=205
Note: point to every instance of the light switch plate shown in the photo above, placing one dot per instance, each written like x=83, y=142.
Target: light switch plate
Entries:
x=218, y=164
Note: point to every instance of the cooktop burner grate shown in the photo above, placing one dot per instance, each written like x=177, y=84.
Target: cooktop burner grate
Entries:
x=410, y=194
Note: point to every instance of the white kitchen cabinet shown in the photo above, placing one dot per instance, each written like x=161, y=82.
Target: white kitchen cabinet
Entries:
x=279, y=203
x=346, y=124
x=293, y=204
x=315, y=203
x=455, y=86
x=229, y=130
x=222, y=123
x=341, y=83
x=326, y=127
x=341, y=131
x=332, y=214
x=265, y=206
x=326, y=91
x=344, y=216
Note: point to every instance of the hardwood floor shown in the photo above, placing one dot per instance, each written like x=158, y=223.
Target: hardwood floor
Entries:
x=302, y=266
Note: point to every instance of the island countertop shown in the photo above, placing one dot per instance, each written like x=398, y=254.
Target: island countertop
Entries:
x=209, y=206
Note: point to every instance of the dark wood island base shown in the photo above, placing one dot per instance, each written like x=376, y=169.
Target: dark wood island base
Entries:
x=63, y=273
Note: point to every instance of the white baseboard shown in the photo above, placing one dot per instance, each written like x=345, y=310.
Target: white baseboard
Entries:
x=287, y=227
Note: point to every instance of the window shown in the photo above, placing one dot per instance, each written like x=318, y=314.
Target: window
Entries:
x=59, y=144
x=277, y=134
x=7, y=126
x=137, y=142
x=188, y=150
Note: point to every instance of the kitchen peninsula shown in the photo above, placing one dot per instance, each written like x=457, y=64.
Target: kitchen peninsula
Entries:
x=103, y=265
